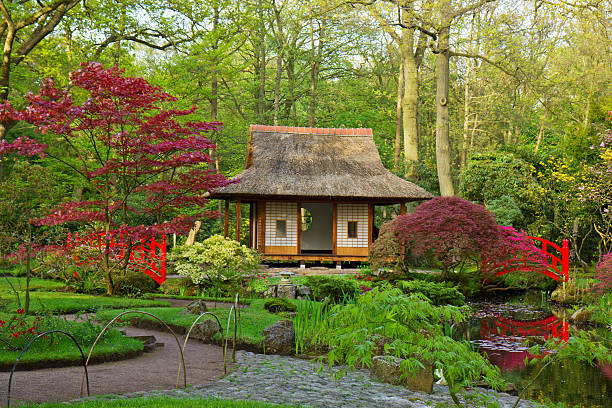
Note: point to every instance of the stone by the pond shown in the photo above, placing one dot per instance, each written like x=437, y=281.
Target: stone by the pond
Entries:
x=387, y=369
x=205, y=330
x=286, y=291
x=567, y=295
x=280, y=338
x=581, y=315
x=196, y=307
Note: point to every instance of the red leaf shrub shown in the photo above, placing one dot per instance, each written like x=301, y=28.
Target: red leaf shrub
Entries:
x=450, y=230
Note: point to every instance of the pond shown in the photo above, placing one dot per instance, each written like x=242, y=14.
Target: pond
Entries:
x=498, y=330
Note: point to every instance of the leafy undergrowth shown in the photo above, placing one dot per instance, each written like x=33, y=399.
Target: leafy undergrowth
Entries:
x=56, y=347
x=167, y=402
x=253, y=319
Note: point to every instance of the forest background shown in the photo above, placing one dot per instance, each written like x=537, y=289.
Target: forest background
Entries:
x=505, y=103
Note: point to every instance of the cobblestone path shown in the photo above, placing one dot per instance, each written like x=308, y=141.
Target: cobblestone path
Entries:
x=278, y=379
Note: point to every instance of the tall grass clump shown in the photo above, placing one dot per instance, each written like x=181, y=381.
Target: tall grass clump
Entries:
x=308, y=323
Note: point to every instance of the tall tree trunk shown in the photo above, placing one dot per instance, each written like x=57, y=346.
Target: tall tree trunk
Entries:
x=214, y=82
x=262, y=65
x=316, y=55
x=397, y=146
x=279, y=70
x=290, y=68
x=279, y=62
x=467, y=100
x=409, y=104
x=443, y=151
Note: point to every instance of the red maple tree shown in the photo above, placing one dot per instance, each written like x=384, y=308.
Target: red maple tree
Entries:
x=142, y=167
x=449, y=230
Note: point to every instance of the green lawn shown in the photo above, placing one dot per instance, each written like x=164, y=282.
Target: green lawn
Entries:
x=57, y=346
x=253, y=319
x=62, y=303
x=44, y=298
x=166, y=402
x=19, y=284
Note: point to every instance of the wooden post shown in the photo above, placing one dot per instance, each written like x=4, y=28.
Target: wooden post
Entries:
x=370, y=224
x=402, y=208
x=226, y=218
x=299, y=228
x=261, y=208
x=334, y=229
x=238, y=220
x=251, y=225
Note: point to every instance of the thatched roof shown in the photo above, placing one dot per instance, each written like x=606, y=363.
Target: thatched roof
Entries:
x=317, y=163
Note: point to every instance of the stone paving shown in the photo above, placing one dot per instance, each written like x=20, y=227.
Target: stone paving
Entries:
x=277, y=379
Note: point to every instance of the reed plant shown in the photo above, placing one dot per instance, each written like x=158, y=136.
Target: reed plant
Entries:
x=308, y=323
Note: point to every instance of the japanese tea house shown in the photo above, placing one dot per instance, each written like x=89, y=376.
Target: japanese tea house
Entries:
x=312, y=192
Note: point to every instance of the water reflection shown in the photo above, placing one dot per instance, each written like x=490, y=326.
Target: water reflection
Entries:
x=499, y=331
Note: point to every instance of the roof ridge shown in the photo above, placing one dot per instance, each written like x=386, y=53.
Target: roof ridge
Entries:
x=312, y=130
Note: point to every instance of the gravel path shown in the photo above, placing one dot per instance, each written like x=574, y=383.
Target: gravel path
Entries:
x=151, y=371
x=279, y=379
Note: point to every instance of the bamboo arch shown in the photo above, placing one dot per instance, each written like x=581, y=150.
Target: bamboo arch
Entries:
x=85, y=375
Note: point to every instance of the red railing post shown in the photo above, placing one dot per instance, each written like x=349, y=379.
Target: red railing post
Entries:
x=565, y=259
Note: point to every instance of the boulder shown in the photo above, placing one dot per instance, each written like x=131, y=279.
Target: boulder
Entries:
x=286, y=291
x=197, y=307
x=387, y=369
x=280, y=338
x=205, y=330
x=581, y=315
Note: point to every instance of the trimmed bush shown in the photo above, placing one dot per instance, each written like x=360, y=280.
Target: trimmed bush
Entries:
x=277, y=305
x=335, y=288
x=179, y=286
x=136, y=284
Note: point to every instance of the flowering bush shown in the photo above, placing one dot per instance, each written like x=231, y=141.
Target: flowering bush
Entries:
x=215, y=261
x=17, y=331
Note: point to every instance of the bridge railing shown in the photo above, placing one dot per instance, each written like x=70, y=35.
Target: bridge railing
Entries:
x=555, y=267
x=147, y=256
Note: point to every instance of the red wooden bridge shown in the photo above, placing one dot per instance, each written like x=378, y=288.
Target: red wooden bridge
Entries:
x=147, y=256
x=555, y=267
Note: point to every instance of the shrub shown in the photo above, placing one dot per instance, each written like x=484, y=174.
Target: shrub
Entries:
x=179, y=286
x=215, y=262
x=336, y=289
x=387, y=322
x=437, y=293
x=279, y=305
x=449, y=230
x=136, y=284
x=604, y=274
x=387, y=252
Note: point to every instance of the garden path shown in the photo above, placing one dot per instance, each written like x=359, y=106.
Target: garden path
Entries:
x=151, y=371
x=278, y=379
